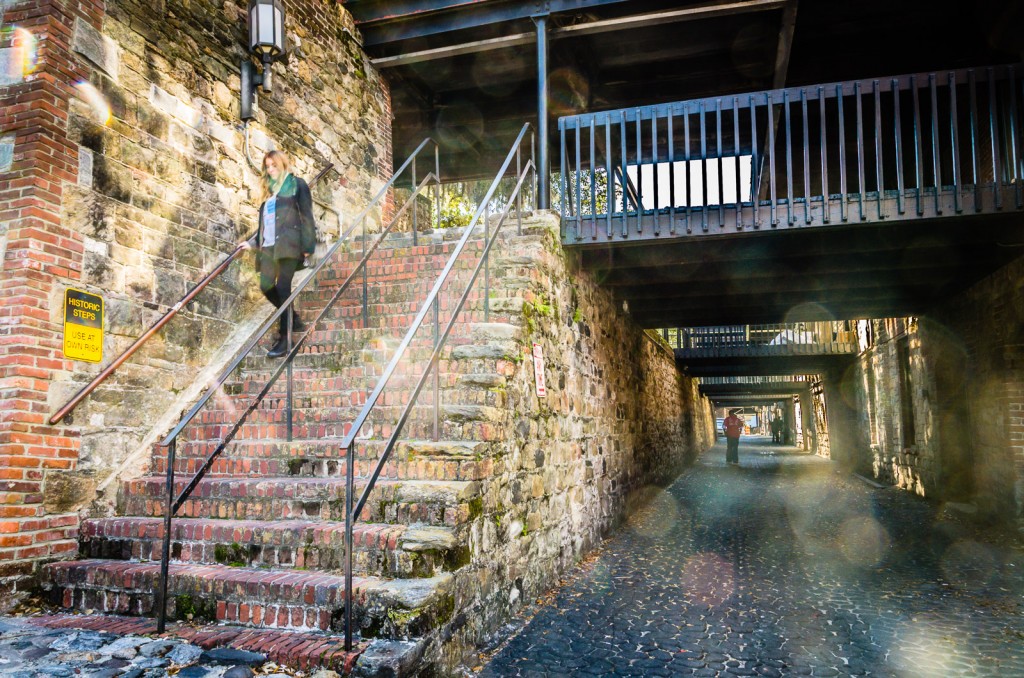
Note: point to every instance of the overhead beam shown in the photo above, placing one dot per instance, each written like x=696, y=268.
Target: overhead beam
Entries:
x=707, y=11
x=392, y=25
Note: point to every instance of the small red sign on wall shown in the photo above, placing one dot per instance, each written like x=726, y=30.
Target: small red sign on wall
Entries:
x=538, y=371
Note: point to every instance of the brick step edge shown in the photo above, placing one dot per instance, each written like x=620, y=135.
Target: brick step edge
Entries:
x=294, y=649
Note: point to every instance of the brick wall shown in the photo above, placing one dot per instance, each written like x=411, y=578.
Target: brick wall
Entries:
x=40, y=255
x=136, y=208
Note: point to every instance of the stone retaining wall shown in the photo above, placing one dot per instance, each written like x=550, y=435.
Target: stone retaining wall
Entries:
x=618, y=422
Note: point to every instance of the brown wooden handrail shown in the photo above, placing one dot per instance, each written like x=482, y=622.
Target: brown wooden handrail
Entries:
x=166, y=318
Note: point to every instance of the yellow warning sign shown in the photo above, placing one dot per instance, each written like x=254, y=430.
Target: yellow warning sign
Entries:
x=83, y=326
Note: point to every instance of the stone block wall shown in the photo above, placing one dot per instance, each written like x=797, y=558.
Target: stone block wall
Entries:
x=940, y=398
x=618, y=422
x=123, y=172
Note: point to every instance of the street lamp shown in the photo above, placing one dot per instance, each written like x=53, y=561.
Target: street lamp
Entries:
x=266, y=41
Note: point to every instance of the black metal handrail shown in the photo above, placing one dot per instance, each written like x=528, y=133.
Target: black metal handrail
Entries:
x=915, y=146
x=173, y=503
x=430, y=304
x=219, y=269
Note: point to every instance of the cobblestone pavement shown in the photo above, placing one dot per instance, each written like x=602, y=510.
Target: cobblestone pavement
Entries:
x=783, y=566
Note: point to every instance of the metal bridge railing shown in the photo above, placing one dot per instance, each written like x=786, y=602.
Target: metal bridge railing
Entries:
x=904, y=147
x=825, y=336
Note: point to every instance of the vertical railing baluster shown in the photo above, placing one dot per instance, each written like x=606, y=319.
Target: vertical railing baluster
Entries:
x=879, y=173
x=437, y=184
x=350, y=467
x=897, y=128
x=721, y=172
x=165, y=559
x=972, y=87
x=608, y=181
x=415, y=204
x=576, y=182
x=918, y=161
x=639, y=174
x=686, y=164
x=519, y=194
x=533, y=170
x=655, y=167
x=843, y=196
x=1014, y=132
x=825, y=202
x=807, y=156
x=860, y=149
x=789, y=157
x=487, y=263
x=936, y=148
x=593, y=177
x=366, y=284
x=954, y=132
x=437, y=370
x=703, y=168
x=754, y=164
x=624, y=178
x=290, y=311
x=736, y=161
x=561, y=175
x=771, y=158
x=671, y=172
x=993, y=119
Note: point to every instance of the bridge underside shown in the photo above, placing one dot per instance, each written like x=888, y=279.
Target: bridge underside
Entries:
x=736, y=366
x=793, y=274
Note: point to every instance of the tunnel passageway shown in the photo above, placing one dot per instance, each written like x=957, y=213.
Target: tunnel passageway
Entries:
x=782, y=566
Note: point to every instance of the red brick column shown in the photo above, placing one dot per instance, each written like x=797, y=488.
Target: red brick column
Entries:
x=41, y=258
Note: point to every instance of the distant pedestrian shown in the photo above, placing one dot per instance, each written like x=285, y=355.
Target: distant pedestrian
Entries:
x=777, y=429
x=287, y=235
x=733, y=427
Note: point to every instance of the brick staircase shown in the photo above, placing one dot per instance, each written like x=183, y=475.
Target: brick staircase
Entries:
x=260, y=542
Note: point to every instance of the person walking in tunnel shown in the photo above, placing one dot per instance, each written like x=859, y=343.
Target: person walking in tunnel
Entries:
x=776, y=428
x=733, y=426
x=286, y=236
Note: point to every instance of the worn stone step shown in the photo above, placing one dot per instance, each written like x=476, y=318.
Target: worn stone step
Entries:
x=394, y=551
x=446, y=460
x=433, y=502
x=257, y=597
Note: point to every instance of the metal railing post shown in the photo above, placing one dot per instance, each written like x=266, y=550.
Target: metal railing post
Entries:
x=487, y=265
x=542, y=111
x=290, y=313
x=437, y=370
x=350, y=466
x=366, y=286
x=519, y=197
x=165, y=562
x=437, y=186
x=415, y=205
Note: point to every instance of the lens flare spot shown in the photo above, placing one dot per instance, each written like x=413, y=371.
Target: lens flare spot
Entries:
x=708, y=579
x=25, y=57
x=656, y=512
x=968, y=565
x=863, y=541
x=96, y=101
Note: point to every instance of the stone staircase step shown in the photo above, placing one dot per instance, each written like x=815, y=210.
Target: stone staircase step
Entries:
x=306, y=651
x=433, y=502
x=326, y=459
x=395, y=551
x=255, y=597
x=411, y=460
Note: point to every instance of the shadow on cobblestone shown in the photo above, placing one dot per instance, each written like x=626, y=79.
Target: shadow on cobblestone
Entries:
x=782, y=566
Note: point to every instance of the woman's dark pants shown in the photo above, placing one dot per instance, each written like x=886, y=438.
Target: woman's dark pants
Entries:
x=276, y=284
x=732, y=450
